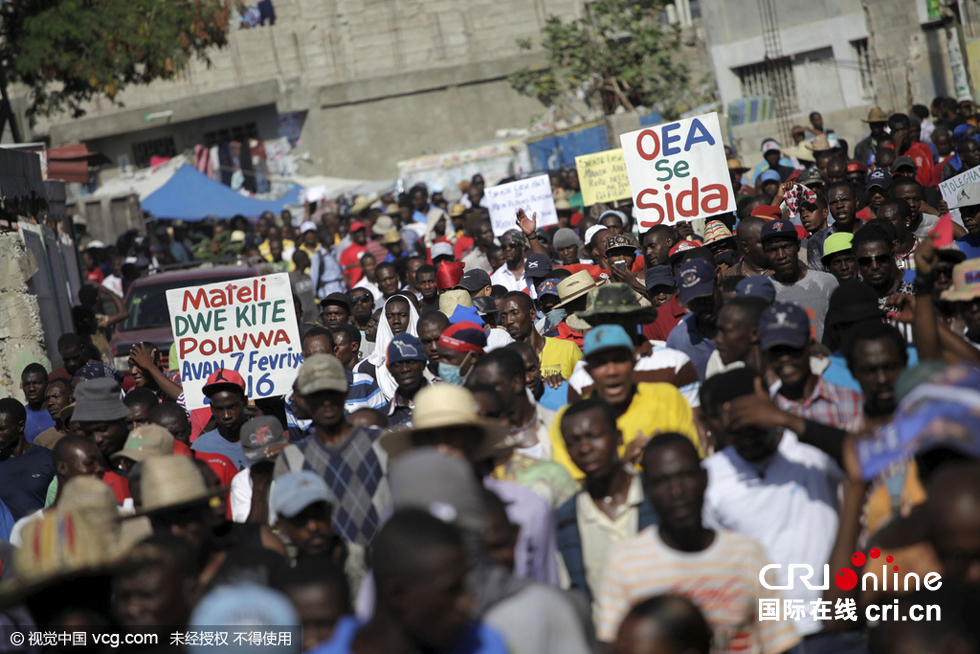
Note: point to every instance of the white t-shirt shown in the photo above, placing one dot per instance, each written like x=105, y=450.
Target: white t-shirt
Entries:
x=789, y=505
x=498, y=338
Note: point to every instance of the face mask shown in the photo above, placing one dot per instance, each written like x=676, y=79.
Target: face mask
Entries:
x=554, y=317
x=450, y=373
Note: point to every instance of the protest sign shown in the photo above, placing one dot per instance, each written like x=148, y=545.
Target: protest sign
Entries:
x=678, y=171
x=533, y=195
x=952, y=187
x=247, y=325
x=602, y=177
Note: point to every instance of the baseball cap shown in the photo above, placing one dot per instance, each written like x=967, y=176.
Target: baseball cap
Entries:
x=336, y=298
x=295, y=491
x=474, y=280
x=513, y=235
x=308, y=226
x=695, y=278
x=464, y=337
x=839, y=242
x=778, y=229
x=770, y=144
x=484, y=305
x=904, y=161
x=356, y=225
x=548, y=287
x=619, y=242
x=591, y=231
x=810, y=177
x=783, y=324
x=769, y=176
x=613, y=212
x=321, y=372
x=659, y=276
x=258, y=434
x=879, y=177
x=266, y=610
x=682, y=246
x=146, y=441
x=442, y=249
x=405, y=347
x=606, y=337
x=767, y=212
x=223, y=379
x=756, y=286
x=537, y=266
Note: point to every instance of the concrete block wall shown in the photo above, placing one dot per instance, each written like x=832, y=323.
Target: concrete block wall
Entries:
x=21, y=336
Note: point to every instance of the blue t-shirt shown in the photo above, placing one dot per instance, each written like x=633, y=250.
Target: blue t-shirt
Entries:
x=24, y=481
x=212, y=441
x=838, y=373
x=686, y=338
x=477, y=638
x=969, y=245
x=554, y=398
x=37, y=421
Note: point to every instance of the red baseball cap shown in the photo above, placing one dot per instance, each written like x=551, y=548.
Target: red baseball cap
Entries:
x=767, y=212
x=464, y=337
x=682, y=246
x=356, y=225
x=223, y=379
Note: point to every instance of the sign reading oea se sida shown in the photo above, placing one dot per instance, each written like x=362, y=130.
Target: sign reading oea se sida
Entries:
x=247, y=325
x=678, y=171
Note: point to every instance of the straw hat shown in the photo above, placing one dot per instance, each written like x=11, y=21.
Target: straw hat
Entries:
x=362, y=203
x=716, y=231
x=172, y=482
x=383, y=225
x=575, y=286
x=451, y=299
x=447, y=405
x=391, y=237
x=95, y=501
x=876, y=115
x=735, y=165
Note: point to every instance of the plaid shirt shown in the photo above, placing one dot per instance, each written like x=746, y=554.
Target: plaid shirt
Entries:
x=830, y=404
x=907, y=261
x=354, y=470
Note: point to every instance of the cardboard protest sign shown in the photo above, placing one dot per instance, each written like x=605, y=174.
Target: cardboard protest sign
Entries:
x=678, y=171
x=532, y=195
x=602, y=177
x=960, y=186
x=247, y=325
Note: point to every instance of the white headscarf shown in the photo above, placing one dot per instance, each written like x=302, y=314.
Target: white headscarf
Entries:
x=379, y=356
x=432, y=218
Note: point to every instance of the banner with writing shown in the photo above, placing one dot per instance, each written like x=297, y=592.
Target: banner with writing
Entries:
x=960, y=186
x=678, y=171
x=533, y=195
x=247, y=325
x=603, y=177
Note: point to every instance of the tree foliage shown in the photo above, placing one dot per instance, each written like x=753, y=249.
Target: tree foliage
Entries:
x=619, y=54
x=69, y=51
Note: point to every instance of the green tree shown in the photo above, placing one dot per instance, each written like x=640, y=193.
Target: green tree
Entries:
x=69, y=51
x=619, y=54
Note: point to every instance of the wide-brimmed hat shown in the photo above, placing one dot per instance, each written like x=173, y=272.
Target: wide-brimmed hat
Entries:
x=146, y=441
x=447, y=405
x=715, y=231
x=876, y=115
x=735, y=166
x=391, y=237
x=821, y=143
x=562, y=204
x=361, y=203
x=97, y=400
x=966, y=282
x=172, y=482
x=574, y=286
x=383, y=225
x=617, y=299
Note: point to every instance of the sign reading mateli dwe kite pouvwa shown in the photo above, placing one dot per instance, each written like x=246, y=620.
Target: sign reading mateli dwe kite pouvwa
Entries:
x=603, y=177
x=533, y=195
x=678, y=171
x=247, y=325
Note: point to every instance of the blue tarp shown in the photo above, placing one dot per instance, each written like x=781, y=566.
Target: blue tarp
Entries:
x=192, y=196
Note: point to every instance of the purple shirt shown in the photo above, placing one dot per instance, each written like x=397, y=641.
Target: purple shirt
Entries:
x=535, y=555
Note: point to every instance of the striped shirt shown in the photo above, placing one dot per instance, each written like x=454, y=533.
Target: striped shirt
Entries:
x=722, y=580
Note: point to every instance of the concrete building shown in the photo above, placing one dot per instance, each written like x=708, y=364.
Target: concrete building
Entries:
x=361, y=83
x=840, y=57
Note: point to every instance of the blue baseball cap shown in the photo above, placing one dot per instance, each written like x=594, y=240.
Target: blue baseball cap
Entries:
x=769, y=176
x=783, y=324
x=537, y=266
x=756, y=286
x=695, y=278
x=879, y=177
x=405, y=347
x=659, y=276
x=606, y=337
x=265, y=610
x=295, y=491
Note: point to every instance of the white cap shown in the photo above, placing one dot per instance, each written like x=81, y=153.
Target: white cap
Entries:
x=442, y=249
x=308, y=226
x=95, y=244
x=770, y=145
x=591, y=231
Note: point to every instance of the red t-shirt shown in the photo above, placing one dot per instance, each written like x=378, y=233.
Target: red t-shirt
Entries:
x=95, y=276
x=463, y=246
x=922, y=156
x=223, y=467
x=118, y=484
x=350, y=262
x=668, y=316
x=865, y=214
x=199, y=420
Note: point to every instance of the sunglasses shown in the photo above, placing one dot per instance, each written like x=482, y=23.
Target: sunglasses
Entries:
x=508, y=245
x=878, y=258
x=362, y=299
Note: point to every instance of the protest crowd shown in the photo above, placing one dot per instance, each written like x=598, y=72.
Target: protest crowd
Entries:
x=594, y=435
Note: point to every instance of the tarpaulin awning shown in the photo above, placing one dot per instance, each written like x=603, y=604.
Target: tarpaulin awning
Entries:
x=70, y=163
x=192, y=196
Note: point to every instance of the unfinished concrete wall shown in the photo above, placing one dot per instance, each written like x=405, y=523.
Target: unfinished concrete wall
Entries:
x=21, y=336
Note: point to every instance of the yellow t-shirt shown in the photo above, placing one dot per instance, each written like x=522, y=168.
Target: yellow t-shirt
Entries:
x=656, y=408
x=558, y=357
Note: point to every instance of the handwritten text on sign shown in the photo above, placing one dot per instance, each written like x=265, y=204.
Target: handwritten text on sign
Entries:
x=678, y=171
x=532, y=195
x=951, y=187
x=247, y=325
x=603, y=177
